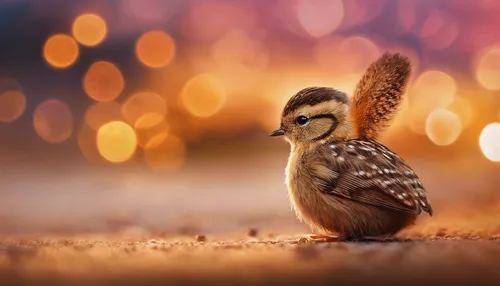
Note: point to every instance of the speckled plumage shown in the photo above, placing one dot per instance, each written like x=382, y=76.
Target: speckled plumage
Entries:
x=340, y=180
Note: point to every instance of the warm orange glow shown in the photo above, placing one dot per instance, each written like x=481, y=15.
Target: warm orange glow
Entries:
x=89, y=29
x=116, y=141
x=462, y=107
x=443, y=127
x=60, y=51
x=203, y=95
x=53, y=121
x=320, y=17
x=142, y=103
x=488, y=68
x=151, y=130
x=103, y=81
x=432, y=89
x=12, y=105
x=167, y=156
x=101, y=113
x=489, y=141
x=155, y=49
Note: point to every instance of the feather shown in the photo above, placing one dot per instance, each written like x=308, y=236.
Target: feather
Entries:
x=368, y=172
x=379, y=93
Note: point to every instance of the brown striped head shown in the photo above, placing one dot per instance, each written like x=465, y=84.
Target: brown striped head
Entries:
x=315, y=114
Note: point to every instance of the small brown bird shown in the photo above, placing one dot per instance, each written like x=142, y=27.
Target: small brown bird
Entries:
x=341, y=181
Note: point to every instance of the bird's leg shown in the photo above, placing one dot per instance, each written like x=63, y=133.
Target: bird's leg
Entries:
x=325, y=238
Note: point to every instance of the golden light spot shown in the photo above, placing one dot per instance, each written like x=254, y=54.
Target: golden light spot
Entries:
x=53, y=121
x=155, y=49
x=203, y=95
x=320, y=17
x=103, y=81
x=60, y=51
x=432, y=89
x=167, y=156
x=116, y=141
x=101, y=113
x=488, y=68
x=89, y=29
x=12, y=105
x=141, y=103
x=156, y=140
x=463, y=108
x=443, y=127
x=489, y=141
x=151, y=130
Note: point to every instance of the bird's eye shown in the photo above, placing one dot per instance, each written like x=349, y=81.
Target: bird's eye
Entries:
x=301, y=120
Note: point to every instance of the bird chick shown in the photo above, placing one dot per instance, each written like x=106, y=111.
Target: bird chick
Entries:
x=340, y=180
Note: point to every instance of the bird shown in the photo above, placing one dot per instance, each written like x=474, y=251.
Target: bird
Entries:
x=341, y=180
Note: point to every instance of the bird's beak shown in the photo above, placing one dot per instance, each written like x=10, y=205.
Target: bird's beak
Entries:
x=277, y=132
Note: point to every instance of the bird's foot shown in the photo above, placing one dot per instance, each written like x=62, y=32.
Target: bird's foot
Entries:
x=324, y=238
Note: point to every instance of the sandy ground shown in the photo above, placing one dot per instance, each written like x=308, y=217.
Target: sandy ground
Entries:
x=247, y=261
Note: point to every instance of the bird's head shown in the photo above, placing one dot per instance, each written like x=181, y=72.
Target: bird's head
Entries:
x=315, y=114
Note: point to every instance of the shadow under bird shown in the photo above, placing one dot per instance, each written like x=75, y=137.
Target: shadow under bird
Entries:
x=340, y=180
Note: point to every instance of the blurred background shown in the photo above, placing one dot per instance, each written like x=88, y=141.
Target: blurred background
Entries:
x=152, y=116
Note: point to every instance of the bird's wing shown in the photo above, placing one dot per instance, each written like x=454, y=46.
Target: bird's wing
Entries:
x=368, y=172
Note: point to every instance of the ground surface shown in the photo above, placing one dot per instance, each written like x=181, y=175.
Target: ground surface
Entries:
x=255, y=260
x=50, y=215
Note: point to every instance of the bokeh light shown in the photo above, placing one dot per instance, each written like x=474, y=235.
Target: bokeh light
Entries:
x=432, y=89
x=151, y=130
x=53, y=121
x=101, y=113
x=227, y=51
x=443, y=127
x=439, y=30
x=489, y=141
x=320, y=17
x=349, y=55
x=208, y=20
x=103, y=81
x=462, y=107
x=168, y=156
x=155, y=49
x=60, y=51
x=141, y=103
x=488, y=68
x=203, y=95
x=12, y=105
x=89, y=29
x=87, y=143
x=116, y=141
x=406, y=14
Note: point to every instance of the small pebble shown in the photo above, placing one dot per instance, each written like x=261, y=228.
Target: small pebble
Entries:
x=253, y=232
x=201, y=238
